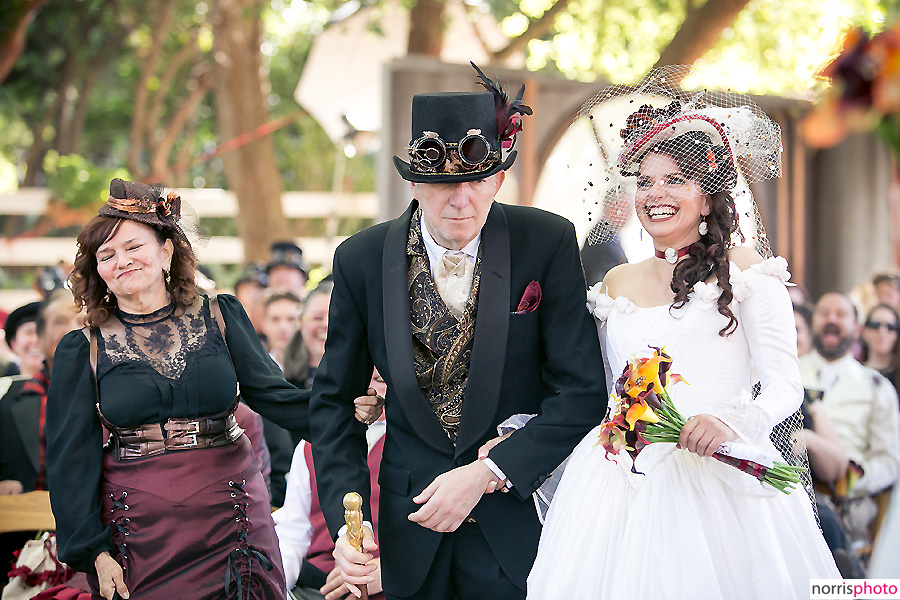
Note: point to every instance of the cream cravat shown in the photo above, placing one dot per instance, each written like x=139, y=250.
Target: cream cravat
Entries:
x=453, y=277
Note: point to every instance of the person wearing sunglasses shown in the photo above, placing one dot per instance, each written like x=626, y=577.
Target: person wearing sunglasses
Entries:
x=880, y=347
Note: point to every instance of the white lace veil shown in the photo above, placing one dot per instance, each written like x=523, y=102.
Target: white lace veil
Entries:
x=653, y=111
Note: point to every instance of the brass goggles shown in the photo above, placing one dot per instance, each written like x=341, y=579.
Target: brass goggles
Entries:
x=430, y=153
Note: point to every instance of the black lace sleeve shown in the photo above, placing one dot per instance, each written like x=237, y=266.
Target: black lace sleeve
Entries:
x=75, y=455
x=262, y=383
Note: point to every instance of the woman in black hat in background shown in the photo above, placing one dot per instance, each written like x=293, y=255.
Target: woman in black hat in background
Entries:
x=182, y=507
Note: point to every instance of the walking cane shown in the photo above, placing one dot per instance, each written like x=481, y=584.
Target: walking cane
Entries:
x=353, y=518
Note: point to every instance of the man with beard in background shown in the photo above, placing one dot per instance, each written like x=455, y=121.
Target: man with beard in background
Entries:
x=862, y=404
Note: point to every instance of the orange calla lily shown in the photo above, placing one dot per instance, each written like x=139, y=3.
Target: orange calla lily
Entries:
x=644, y=374
x=640, y=411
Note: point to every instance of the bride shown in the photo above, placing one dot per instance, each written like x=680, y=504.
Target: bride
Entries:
x=675, y=523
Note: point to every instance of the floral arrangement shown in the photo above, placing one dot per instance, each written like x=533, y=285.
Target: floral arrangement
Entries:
x=642, y=413
x=864, y=93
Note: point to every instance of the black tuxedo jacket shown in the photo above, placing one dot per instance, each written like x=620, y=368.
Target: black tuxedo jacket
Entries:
x=20, y=448
x=546, y=362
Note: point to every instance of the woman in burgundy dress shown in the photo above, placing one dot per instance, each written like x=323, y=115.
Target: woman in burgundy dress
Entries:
x=173, y=506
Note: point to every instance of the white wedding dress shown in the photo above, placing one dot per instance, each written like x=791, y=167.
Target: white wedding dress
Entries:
x=686, y=526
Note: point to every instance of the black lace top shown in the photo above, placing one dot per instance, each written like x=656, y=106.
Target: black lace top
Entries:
x=150, y=368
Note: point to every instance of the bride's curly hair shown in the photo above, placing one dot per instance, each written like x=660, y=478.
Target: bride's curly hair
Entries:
x=711, y=166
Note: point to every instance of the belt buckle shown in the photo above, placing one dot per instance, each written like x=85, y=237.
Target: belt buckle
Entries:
x=191, y=434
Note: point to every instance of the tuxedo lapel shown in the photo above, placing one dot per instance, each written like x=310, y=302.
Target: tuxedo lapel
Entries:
x=25, y=413
x=491, y=329
x=398, y=336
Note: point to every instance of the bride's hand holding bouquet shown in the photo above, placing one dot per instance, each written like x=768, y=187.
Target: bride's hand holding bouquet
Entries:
x=642, y=413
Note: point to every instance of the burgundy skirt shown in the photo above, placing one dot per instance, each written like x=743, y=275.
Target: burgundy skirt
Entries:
x=193, y=524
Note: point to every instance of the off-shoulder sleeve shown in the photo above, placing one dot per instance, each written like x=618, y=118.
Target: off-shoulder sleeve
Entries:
x=263, y=385
x=75, y=455
x=768, y=322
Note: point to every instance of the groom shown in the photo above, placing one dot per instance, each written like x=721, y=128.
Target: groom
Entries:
x=472, y=311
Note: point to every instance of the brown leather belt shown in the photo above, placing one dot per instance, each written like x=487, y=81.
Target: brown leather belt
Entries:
x=180, y=434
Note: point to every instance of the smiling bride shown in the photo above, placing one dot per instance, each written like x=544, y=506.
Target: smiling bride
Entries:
x=672, y=522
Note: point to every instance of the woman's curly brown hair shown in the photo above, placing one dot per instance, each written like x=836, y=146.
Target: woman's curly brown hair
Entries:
x=711, y=166
x=90, y=290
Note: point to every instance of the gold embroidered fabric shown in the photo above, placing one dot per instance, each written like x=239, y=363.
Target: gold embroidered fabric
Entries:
x=442, y=343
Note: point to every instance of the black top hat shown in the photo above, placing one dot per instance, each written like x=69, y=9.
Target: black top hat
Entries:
x=460, y=136
x=287, y=254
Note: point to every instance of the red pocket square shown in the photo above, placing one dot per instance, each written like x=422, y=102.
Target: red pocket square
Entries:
x=530, y=299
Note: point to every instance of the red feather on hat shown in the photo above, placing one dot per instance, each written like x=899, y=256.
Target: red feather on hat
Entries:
x=509, y=114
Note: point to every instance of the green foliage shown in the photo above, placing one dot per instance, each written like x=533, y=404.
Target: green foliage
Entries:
x=774, y=46
x=76, y=181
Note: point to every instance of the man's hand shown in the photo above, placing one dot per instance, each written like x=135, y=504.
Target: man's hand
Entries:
x=335, y=587
x=9, y=487
x=110, y=576
x=704, y=434
x=449, y=499
x=356, y=567
x=483, y=453
x=368, y=407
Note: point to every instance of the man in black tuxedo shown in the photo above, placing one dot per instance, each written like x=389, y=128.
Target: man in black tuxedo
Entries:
x=472, y=311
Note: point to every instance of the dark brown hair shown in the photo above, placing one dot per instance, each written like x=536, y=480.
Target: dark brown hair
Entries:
x=708, y=164
x=895, y=351
x=89, y=288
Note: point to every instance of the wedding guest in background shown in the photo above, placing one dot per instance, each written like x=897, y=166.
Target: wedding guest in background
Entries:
x=22, y=338
x=287, y=270
x=281, y=318
x=250, y=290
x=307, y=347
x=803, y=323
x=887, y=289
x=306, y=545
x=880, y=342
x=860, y=402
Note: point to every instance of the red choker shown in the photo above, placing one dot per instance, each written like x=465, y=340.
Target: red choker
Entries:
x=671, y=255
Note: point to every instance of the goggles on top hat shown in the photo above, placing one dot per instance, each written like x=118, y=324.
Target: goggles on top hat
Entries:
x=473, y=152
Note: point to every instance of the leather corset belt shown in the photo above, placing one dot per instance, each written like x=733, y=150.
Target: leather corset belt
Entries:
x=180, y=434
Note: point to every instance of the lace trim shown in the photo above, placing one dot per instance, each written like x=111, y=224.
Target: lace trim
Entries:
x=164, y=341
x=600, y=304
x=146, y=319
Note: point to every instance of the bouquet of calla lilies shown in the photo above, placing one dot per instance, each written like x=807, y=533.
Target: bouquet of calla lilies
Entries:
x=642, y=412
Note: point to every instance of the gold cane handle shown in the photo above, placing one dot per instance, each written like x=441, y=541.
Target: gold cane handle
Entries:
x=354, y=519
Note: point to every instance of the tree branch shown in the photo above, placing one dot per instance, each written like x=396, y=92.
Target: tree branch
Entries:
x=701, y=29
x=139, y=124
x=186, y=52
x=160, y=159
x=535, y=30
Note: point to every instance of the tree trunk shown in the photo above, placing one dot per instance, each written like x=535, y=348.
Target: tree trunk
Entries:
x=12, y=42
x=241, y=106
x=426, y=28
x=701, y=29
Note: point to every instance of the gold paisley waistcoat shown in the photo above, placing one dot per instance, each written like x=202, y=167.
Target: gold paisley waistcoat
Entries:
x=442, y=345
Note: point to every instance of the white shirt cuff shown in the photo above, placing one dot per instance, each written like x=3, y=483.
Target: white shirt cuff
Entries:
x=497, y=471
